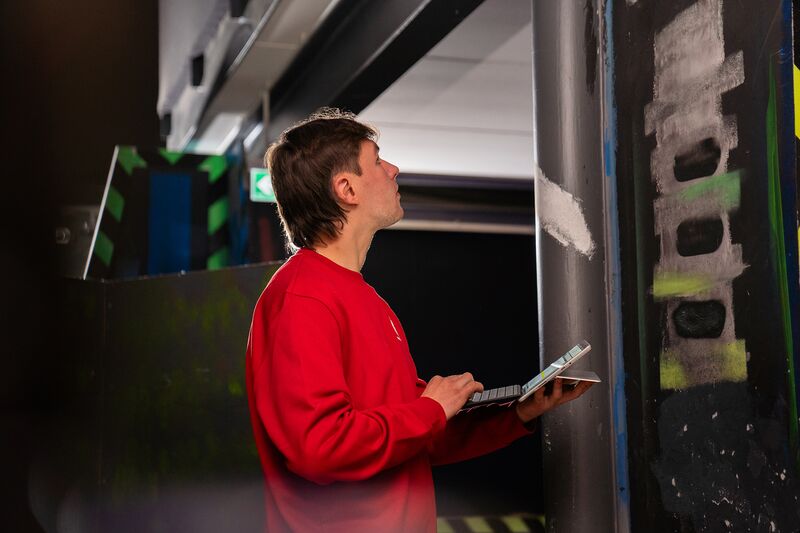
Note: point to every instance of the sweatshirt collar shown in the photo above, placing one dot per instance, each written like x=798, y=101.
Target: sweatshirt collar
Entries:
x=308, y=252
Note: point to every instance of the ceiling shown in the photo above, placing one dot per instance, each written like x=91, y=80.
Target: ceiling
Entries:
x=465, y=108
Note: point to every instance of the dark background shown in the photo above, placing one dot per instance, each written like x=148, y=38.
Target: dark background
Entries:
x=78, y=78
x=468, y=303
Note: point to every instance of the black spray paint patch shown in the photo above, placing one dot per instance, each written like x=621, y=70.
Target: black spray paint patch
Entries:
x=699, y=320
x=699, y=236
x=722, y=465
x=699, y=161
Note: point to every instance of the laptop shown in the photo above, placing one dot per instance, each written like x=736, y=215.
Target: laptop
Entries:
x=556, y=369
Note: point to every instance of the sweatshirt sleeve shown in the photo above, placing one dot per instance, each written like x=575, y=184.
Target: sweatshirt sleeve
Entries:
x=476, y=432
x=305, y=405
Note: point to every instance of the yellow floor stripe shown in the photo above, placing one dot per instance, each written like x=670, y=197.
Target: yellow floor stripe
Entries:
x=443, y=526
x=516, y=524
x=477, y=524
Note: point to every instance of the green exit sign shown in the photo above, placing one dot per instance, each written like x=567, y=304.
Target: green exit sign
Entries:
x=261, y=186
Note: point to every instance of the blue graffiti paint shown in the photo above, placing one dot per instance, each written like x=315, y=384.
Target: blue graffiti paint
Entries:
x=613, y=262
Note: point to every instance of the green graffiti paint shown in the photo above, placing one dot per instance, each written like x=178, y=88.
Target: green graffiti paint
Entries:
x=215, y=165
x=217, y=215
x=734, y=366
x=103, y=248
x=778, y=248
x=727, y=186
x=115, y=203
x=671, y=284
x=171, y=157
x=734, y=357
x=181, y=389
x=129, y=159
x=235, y=387
x=671, y=373
x=219, y=259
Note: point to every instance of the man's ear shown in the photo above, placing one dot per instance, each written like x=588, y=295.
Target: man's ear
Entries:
x=343, y=190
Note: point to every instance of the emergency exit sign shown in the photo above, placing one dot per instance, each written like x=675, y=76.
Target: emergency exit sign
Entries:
x=261, y=186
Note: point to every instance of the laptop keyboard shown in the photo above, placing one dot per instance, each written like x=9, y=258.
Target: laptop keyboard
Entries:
x=498, y=395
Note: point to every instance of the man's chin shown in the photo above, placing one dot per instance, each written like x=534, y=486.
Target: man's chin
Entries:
x=394, y=220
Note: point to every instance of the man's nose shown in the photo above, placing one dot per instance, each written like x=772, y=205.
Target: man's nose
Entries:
x=394, y=170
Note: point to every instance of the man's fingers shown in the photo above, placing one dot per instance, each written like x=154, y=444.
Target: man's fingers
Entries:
x=471, y=387
x=465, y=378
x=582, y=387
x=538, y=396
x=579, y=389
x=558, y=390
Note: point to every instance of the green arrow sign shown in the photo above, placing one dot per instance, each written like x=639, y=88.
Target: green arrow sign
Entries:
x=261, y=186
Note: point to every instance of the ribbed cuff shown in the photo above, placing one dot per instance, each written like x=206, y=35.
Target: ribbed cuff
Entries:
x=434, y=412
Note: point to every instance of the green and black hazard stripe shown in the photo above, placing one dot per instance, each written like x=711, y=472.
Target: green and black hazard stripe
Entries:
x=121, y=243
x=218, y=212
x=514, y=523
x=116, y=211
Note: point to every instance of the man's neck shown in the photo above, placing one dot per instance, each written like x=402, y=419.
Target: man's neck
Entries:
x=349, y=250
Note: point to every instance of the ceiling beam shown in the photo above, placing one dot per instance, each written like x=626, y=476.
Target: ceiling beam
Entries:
x=357, y=53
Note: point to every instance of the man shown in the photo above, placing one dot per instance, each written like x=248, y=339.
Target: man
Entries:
x=345, y=429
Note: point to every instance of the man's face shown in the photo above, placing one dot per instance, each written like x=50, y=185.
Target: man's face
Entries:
x=378, y=187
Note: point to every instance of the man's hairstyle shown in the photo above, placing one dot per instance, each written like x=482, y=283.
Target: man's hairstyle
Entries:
x=302, y=163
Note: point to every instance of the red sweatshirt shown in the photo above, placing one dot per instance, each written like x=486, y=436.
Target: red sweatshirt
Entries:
x=346, y=441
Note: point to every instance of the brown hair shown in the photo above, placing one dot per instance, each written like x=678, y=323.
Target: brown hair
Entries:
x=302, y=162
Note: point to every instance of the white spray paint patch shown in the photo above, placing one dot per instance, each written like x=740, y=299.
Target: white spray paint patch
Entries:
x=691, y=74
x=559, y=214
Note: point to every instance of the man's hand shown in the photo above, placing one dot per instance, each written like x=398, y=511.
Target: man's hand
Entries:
x=452, y=392
x=540, y=403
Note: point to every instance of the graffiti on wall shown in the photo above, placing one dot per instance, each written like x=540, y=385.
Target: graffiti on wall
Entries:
x=704, y=154
x=696, y=194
